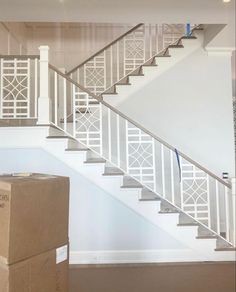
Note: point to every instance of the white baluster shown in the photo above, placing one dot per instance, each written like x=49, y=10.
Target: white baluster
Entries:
x=118, y=139
x=208, y=202
x=73, y=110
x=65, y=104
x=172, y=177
x=163, y=171
x=56, y=97
x=154, y=165
x=227, y=215
x=217, y=207
x=44, y=104
x=233, y=229
x=28, y=87
x=109, y=133
x=118, y=61
x=36, y=87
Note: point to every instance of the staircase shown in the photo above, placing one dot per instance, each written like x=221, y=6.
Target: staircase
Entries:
x=42, y=107
x=127, y=56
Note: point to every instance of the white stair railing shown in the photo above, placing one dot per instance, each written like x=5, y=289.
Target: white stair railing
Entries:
x=19, y=87
x=143, y=156
x=122, y=142
x=115, y=61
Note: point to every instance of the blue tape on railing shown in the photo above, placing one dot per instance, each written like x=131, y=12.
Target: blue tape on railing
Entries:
x=178, y=161
x=188, y=29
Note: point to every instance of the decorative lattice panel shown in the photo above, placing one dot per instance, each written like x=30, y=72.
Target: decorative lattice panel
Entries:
x=134, y=49
x=95, y=75
x=140, y=156
x=171, y=33
x=15, y=88
x=87, y=119
x=195, y=192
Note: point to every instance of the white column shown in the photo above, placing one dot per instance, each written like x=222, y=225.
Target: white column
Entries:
x=44, y=99
x=233, y=182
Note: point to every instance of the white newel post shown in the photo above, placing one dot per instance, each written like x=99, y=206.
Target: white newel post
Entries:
x=233, y=181
x=44, y=99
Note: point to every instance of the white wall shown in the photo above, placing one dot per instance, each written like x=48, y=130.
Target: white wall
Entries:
x=98, y=222
x=168, y=11
x=192, y=106
x=12, y=38
x=71, y=43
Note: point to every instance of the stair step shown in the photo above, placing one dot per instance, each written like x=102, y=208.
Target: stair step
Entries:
x=169, y=212
x=190, y=37
x=95, y=160
x=113, y=174
x=185, y=219
x=163, y=56
x=138, y=74
x=124, y=83
x=149, y=195
x=129, y=182
x=150, y=200
x=110, y=171
x=76, y=149
x=222, y=245
x=176, y=46
x=204, y=232
x=188, y=224
x=131, y=187
x=58, y=137
x=167, y=208
x=206, y=236
x=149, y=65
x=226, y=249
x=94, y=102
x=109, y=93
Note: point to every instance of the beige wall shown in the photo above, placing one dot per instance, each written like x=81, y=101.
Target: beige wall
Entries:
x=70, y=44
x=12, y=38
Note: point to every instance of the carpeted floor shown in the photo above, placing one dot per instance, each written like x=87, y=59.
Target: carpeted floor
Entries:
x=183, y=277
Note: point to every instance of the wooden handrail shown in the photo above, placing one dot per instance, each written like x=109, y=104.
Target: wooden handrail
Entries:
x=103, y=49
x=20, y=56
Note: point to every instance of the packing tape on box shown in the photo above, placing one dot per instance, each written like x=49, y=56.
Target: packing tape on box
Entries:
x=61, y=254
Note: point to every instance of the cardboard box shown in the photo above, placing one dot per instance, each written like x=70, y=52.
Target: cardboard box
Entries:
x=47, y=272
x=34, y=215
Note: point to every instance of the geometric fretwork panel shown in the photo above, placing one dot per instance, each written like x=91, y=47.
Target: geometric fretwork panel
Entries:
x=195, y=192
x=140, y=156
x=15, y=88
x=94, y=74
x=87, y=120
x=134, y=49
x=170, y=34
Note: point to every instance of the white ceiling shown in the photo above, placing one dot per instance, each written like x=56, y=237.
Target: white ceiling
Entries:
x=156, y=11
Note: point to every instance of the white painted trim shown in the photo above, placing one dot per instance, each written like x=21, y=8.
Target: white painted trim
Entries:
x=212, y=51
x=133, y=256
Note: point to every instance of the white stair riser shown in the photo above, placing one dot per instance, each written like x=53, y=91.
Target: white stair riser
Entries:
x=56, y=145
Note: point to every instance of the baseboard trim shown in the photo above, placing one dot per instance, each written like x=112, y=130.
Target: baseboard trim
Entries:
x=133, y=256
